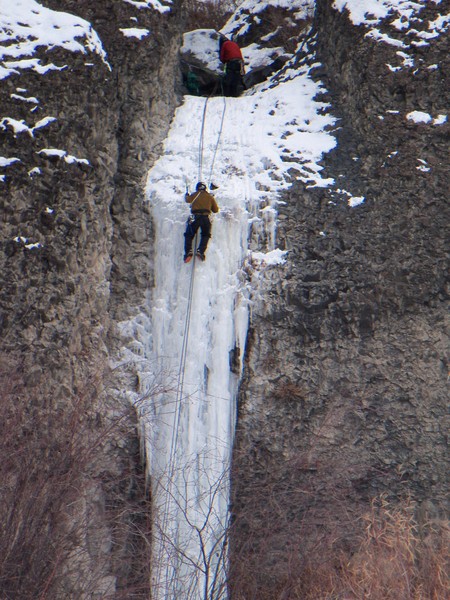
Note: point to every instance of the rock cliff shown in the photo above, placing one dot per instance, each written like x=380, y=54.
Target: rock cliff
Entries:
x=346, y=371
x=81, y=122
x=343, y=396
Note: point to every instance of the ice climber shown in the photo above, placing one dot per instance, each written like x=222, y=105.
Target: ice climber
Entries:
x=231, y=56
x=202, y=205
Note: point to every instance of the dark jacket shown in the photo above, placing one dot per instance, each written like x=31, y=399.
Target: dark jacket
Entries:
x=202, y=202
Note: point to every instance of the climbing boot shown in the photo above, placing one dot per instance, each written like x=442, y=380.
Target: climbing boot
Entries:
x=200, y=255
x=188, y=257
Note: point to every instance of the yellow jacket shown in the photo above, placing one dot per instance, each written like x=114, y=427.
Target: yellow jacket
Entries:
x=202, y=202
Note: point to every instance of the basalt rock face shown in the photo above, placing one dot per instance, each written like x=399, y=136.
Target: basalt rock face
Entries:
x=345, y=383
x=76, y=235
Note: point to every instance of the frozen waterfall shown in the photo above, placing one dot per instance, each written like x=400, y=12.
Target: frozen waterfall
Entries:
x=270, y=136
x=190, y=432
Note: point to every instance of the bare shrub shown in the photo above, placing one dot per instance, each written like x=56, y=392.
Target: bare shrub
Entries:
x=279, y=522
x=390, y=557
x=55, y=483
x=190, y=531
x=398, y=559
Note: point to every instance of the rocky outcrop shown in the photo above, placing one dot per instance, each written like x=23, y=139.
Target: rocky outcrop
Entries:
x=76, y=234
x=344, y=392
x=272, y=34
x=199, y=61
x=203, y=72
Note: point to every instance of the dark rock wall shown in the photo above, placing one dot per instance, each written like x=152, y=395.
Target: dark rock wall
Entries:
x=59, y=302
x=344, y=392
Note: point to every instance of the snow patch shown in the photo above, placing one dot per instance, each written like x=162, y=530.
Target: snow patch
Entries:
x=440, y=120
x=44, y=122
x=134, y=32
x=419, y=117
x=355, y=201
x=256, y=56
x=34, y=64
x=407, y=61
x=441, y=24
x=27, y=25
x=26, y=244
x=384, y=37
x=21, y=126
x=203, y=45
x=423, y=166
x=243, y=17
x=16, y=126
x=155, y=4
x=6, y=162
x=69, y=158
x=269, y=259
x=29, y=99
x=371, y=13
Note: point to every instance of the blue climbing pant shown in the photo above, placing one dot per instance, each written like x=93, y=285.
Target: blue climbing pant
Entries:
x=193, y=224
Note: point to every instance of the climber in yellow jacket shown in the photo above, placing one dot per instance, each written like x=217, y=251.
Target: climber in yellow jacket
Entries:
x=202, y=205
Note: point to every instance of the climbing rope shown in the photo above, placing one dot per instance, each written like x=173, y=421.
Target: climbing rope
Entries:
x=201, y=144
x=218, y=141
x=175, y=430
x=182, y=368
x=201, y=141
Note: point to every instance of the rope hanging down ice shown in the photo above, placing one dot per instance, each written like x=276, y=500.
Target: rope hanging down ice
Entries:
x=182, y=369
x=201, y=141
x=165, y=539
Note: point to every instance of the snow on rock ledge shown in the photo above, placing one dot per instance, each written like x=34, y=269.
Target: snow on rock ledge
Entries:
x=32, y=25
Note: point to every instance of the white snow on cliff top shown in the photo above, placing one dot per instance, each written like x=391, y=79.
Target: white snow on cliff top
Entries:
x=155, y=4
x=28, y=25
x=284, y=129
x=248, y=12
x=258, y=6
x=372, y=12
x=203, y=44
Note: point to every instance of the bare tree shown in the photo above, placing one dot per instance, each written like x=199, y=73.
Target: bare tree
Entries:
x=191, y=539
x=74, y=511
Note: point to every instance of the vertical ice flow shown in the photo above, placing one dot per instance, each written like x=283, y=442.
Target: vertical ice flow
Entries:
x=190, y=433
x=271, y=136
